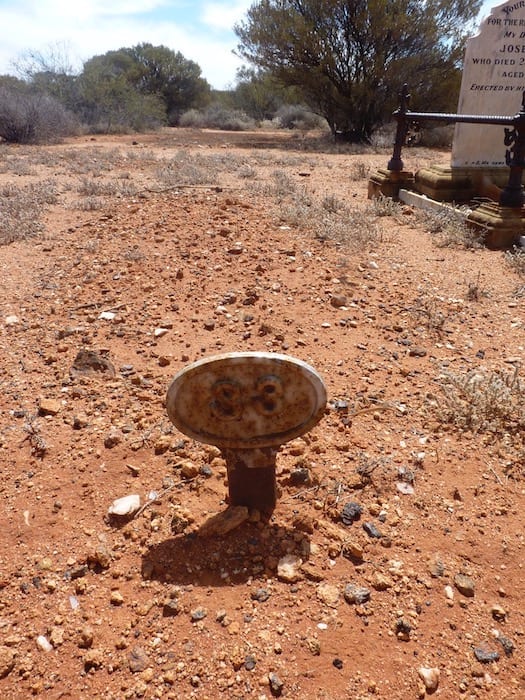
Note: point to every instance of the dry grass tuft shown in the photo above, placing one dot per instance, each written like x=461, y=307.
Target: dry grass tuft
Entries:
x=482, y=401
x=450, y=229
x=515, y=259
x=491, y=403
x=359, y=171
x=21, y=209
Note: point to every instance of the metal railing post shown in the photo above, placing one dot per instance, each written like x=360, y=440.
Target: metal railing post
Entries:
x=395, y=164
x=512, y=194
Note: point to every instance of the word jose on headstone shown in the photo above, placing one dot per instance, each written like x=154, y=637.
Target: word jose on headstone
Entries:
x=493, y=83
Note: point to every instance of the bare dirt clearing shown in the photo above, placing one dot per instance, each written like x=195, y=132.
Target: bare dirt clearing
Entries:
x=153, y=252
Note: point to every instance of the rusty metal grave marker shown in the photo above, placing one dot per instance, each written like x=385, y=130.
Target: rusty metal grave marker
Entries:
x=248, y=404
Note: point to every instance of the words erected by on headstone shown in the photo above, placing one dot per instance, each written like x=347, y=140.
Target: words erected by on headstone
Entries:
x=493, y=84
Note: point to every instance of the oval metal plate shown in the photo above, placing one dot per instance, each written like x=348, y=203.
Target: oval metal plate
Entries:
x=246, y=399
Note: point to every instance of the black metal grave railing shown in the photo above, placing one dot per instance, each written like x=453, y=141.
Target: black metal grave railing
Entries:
x=512, y=195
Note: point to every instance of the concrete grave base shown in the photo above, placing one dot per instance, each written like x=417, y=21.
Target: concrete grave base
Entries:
x=451, y=184
x=441, y=182
x=387, y=183
x=500, y=227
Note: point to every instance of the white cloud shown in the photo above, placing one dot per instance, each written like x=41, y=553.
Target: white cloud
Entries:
x=97, y=26
x=218, y=16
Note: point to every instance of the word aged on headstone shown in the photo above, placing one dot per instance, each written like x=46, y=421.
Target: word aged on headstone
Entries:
x=493, y=83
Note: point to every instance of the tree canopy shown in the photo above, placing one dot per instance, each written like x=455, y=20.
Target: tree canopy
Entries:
x=147, y=80
x=139, y=87
x=351, y=57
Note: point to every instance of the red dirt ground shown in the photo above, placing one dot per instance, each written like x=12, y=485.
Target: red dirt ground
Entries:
x=151, y=607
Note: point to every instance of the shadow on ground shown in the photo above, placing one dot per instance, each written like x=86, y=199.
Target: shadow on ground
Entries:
x=251, y=551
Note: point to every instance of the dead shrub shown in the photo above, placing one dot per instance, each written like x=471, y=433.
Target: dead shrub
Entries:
x=515, y=259
x=27, y=117
x=482, y=401
x=450, y=229
x=21, y=209
x=359, y=171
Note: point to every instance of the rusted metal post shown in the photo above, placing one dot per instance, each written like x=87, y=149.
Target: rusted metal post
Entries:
x=395, y=164
x=248, y=405
x=512, y=194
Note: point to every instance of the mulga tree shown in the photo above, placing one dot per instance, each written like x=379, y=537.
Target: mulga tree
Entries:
x=140, y=86
x=350, y=58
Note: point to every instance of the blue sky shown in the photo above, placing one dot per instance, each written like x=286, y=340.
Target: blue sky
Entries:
x=200, y=29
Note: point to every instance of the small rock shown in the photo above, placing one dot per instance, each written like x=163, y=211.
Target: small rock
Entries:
x=313, y=645
x=288, y=568
x=296, y=447
x=304, y=522
x=11, y=320
x=88, y=362
x=357, y=595
x=405, y=488
x=162, y=444
x=403, y=629
x=436, y=567
x=351, y=512
x=381, y=582
x=224, y=522
x=94, y=659
x=56, y=636
x=261, y=595
x=417, y=352
x=506, y=643
x=250, y=663
x=126, y=505
x=112, y=439
x=498, y=613
x=171, y=608
x=276, y=685
x=338, y=300
x=313, y=570
x=116, y=598
x=371, y=530
x=101, y=557
x=300, y=476
x=485, y=656
x=353, y=550
x=86, y=637
x=188, y=469
x=138, y=660
x=49, y=407
x=43, y=643
x=337, y=663
x=430, y=677
x=328, y=594
x=7, y=661
x=236, y=249
x=464, y=584
x=80, y=420
x=198, y=614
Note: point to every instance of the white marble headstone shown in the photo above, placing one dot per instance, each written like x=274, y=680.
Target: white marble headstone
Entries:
x=493, y=83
